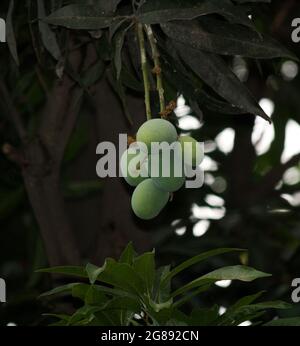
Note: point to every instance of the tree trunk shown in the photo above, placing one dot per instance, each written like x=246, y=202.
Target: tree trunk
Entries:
x=105, y=224
x=43, y=189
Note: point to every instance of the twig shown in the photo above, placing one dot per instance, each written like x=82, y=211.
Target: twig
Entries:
x=141, y=38
x=157, y=68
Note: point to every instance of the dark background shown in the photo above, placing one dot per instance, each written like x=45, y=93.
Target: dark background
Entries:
x=69, y=216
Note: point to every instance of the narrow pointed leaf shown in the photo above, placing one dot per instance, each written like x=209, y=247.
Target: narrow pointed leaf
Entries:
x=48, y=36
x=245, y=301
x=144, y=265
x=82, y=17
x=156, y=12
x=128, y=254
x=281, y=322
x=66, y=270
x=238, y=272
x=213, y=70
x=226, y=39
x=197, y=259
x=119, y=42
x=61, y=289
x=94, y=271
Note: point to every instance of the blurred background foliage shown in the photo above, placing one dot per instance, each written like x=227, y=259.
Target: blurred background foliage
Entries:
x=250, y=198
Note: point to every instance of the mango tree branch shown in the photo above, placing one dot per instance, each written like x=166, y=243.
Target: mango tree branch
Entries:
x=157, y=68
x=13, y=112
x=42, y=173
x=141, y=39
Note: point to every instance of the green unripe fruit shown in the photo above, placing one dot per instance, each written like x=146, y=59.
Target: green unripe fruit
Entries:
x=147, y=200
x=133, y=165
x=192, y=151
x=156, y=130
x=167, y=171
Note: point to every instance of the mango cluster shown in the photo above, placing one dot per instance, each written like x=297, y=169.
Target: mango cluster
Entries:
x=152, y=188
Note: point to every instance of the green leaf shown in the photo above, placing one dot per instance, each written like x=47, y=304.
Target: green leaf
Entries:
x=179, y=78
x=111, y=291
x=80, y=291
x=81, y=17
x=128, y=254
x=214, y=72
x=245, y=301
x=247, y=312
x=123, y=276
x=204, y=316
x=191, y=295
x=94, y=271
x=61, y=317
x=144, y=265
x=123, y=303
x=90, y=293
x=238, y=272
x=284, y=322
x=162, y=287
x=196, y=259
x=95, y=296
x=277, y=304
x=119, y=42
x=165, y=314
x=10, y=34
x=175, y=323
x=226, y=39
x=197, y=283
x=83, y=315
x=157, y=307
x=114, y=27
x=61, y=289
x=66, y=270
x=157, y=12
x=48, y=36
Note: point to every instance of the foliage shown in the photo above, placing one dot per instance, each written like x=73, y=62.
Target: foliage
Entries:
x=132, y=291
x=187, y=32
x=202, y=46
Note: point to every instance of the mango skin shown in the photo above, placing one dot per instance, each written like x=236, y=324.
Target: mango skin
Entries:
x=126, y=170
x=191, y=157
x=170, y=183
x=147, y=200
x=156, y=130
